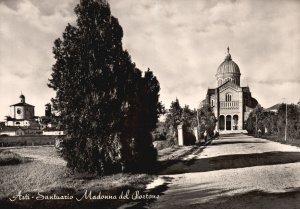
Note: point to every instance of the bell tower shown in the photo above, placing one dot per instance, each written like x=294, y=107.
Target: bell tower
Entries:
x=48, y=110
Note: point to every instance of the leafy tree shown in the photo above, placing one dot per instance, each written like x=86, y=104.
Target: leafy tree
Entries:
x=189, y=121
x=207, y=120
x=2, y=125
x=173, y=119
x=255, y=120
x=178, y=116
x=145, y=117
x=107, y=107
x=160, y=133
x=269, y=121
x=293, y=121
x=189, y=117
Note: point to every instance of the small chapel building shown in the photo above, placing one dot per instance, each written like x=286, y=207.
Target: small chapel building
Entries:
x=230, y=102
x=21, y=114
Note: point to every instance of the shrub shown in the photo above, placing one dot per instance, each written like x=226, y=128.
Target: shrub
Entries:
x=9, y=158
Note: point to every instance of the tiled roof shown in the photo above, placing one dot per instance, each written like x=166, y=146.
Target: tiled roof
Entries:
x=210, y=91
x=246, y=89
x=14, y=119
x=22, y=104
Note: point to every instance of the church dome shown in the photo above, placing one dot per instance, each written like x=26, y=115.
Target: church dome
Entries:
x=228, y=66
x=228, y=71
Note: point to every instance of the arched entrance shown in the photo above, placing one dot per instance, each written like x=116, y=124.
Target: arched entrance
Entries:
x=235, y=122
x=228, y=122
x=222, y=122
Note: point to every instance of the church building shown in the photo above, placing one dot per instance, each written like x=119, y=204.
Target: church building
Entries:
x=21, y=114
x=230, y=102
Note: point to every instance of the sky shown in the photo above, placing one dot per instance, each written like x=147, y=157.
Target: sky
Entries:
x=182, y=42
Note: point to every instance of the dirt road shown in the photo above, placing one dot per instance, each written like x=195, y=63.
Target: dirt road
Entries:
x=236, y=171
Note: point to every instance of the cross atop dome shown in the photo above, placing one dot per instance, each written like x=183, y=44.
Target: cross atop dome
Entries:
x=228, y=56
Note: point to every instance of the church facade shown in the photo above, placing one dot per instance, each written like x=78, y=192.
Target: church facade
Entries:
x=230, y=102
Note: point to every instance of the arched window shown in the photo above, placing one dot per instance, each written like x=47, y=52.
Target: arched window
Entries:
x=228, y=97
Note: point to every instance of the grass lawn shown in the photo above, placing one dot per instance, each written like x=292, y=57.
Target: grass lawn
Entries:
x=47, y=173
x=52, y=177
x=35, y=176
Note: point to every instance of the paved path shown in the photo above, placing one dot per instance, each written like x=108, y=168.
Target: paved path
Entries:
x=235, y=171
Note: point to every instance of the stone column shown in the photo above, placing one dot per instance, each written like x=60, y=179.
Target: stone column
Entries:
x=241, y=112
x=196, y=133
x=180, y=135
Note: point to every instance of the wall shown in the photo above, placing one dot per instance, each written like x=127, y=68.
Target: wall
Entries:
x=7, y=141
x=9, y=133
x=53, y=133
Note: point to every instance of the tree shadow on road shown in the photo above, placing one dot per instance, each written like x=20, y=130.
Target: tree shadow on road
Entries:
x=222, y=142
x=253, y=200
x=228, y=162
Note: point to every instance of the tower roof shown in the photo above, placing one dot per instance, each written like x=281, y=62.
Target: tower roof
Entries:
x=22, y=104
x=228, y=66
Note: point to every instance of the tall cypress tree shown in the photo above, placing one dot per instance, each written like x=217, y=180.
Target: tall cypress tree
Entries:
x=100, y=94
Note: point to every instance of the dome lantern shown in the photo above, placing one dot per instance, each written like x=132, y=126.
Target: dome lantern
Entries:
x=22, y=98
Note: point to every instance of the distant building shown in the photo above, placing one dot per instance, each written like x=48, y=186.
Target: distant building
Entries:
x=230, y=102
x=12, y=131
x=53, y=131
x=21, y=114
x=17, y=122
x=22, y=110
x=22, y=121
x=273, y=108
x=48, y=111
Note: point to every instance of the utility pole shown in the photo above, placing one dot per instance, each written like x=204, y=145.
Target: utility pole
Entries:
x=285, y=130
x=256, y=124
x=198, y=123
